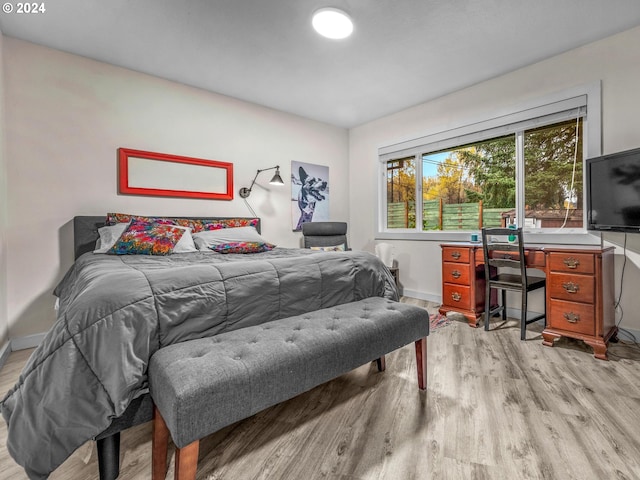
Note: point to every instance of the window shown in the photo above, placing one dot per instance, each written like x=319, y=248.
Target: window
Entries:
x=468, y=187
x=524, y=168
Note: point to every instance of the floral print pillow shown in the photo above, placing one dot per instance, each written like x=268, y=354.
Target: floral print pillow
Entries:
x=143, y=238
x=242, y=247
x=229, y=223
x=196, y=225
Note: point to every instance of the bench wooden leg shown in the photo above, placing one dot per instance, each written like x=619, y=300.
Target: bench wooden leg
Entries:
x=382, y=364
x=421, y=361
x=187, y=461
x=159, y=444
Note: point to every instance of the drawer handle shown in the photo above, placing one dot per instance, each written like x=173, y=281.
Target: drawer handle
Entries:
x=572, y=317
x=456, y=296
x=571, y=262
x=456, y=254
x=456, y=274
x=571, y=287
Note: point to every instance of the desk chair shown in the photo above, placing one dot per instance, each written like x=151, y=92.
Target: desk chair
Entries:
x=324, y=234
x=499, y=252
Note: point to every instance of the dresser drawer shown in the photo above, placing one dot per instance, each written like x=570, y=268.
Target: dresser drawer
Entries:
x=458, y=296
x=455, y=254
x=571, y=262
x=455, y=273
x=575, y=288
x=571, y=316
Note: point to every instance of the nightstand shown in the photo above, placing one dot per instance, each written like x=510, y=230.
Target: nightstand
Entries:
x=396, y=275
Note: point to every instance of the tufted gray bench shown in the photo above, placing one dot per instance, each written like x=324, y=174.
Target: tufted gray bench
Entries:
x=201, y=386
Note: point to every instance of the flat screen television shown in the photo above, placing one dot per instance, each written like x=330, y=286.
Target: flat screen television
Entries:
x=613, y=192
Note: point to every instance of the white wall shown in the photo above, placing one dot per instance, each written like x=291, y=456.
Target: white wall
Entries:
x=67, y=115
x=4, y=324
x=613, y=60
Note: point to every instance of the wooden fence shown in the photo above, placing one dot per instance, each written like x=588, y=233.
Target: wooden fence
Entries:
x=439, y=216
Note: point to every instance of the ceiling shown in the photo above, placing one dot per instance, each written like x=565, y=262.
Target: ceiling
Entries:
x=402, y=52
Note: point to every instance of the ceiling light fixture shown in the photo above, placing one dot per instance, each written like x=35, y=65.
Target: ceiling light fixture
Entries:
x=332, y=23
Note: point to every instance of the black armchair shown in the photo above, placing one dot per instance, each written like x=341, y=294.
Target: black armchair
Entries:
x=324, y=234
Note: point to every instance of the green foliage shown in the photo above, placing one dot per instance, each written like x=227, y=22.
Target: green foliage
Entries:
x=549, y=153
x=492, y=165
x=452, y=182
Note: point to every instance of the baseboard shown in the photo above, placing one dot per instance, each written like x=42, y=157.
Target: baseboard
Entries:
x=421, y=295
x=4, y=353
x=515, y=313
x=20, y=343
x=624, y=336
x=30, y=341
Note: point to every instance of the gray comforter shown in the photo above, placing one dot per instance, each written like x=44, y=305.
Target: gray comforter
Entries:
x=116, y=311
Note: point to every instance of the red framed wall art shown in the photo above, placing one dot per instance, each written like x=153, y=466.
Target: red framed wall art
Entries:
x=163, y=175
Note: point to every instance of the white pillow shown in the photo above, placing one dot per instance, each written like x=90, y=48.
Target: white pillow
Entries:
x=208, y=238
x=332, y=248
x=110, y=234
x=185, y=244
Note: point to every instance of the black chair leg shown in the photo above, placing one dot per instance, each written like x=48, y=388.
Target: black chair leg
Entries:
x=504, y=305
x=487, y=307
x=523, y=317
x=109, y=457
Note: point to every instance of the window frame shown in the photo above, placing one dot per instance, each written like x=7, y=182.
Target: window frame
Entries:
x=584, y=100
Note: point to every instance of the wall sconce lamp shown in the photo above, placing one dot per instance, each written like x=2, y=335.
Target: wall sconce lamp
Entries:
x=276, y=180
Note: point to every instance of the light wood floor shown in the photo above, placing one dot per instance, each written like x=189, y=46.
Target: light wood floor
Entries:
x=495, y=408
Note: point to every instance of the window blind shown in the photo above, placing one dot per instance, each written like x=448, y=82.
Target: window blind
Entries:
x=570, y=108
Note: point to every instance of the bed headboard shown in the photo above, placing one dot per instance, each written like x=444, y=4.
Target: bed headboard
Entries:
x=85, y=230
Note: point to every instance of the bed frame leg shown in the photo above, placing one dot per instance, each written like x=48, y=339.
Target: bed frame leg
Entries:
x=382, y=364
x=421, y=362
x=109, y=456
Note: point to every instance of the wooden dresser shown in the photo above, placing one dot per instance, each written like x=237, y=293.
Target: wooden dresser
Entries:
x=581, y=297
x=463, y=281
x=579, y=293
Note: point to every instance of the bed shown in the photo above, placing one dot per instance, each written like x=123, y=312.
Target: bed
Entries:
x=87, y=379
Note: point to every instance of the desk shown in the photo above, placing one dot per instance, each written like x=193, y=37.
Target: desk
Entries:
x=579, y=294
